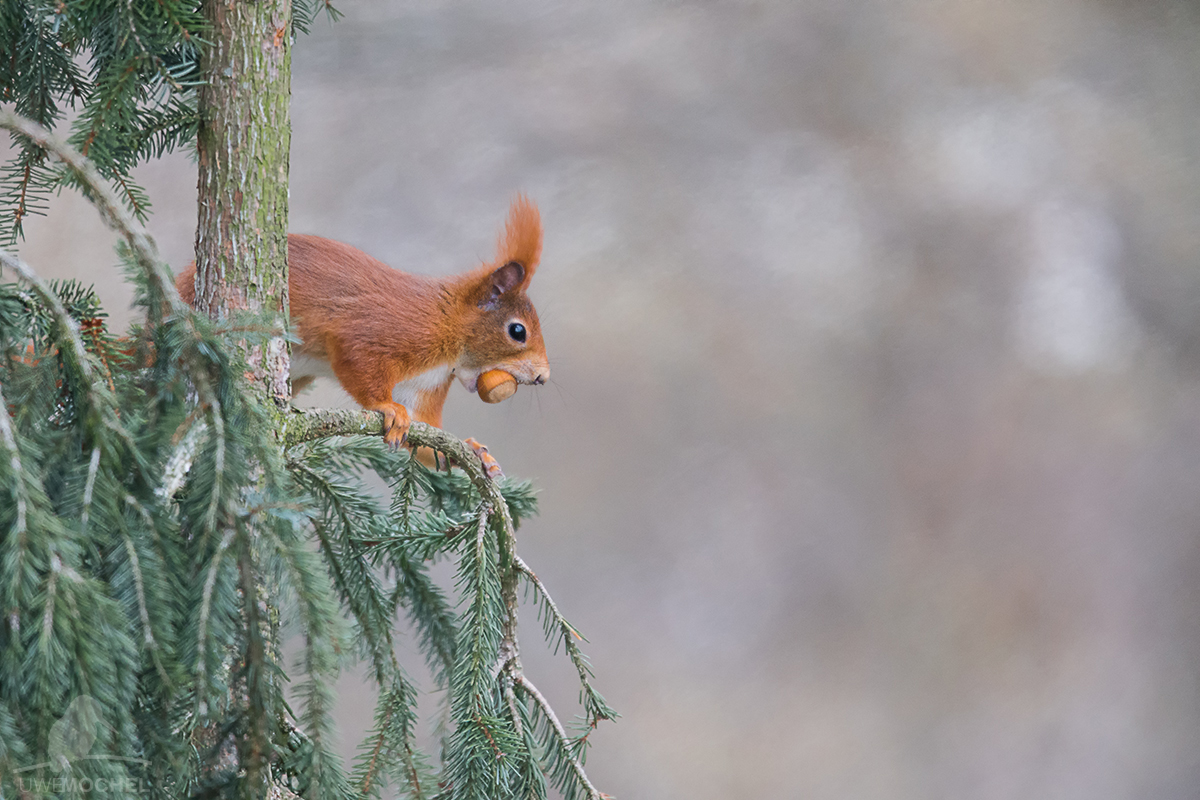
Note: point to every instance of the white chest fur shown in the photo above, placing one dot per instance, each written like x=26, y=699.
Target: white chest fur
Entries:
x=406, y=392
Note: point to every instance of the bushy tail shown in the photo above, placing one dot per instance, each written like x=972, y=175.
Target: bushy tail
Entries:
x=185, y=282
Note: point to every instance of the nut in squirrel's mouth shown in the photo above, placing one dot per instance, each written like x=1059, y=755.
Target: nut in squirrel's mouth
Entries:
x=470, y=381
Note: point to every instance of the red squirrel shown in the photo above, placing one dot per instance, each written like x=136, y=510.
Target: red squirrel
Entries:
x=380, y=329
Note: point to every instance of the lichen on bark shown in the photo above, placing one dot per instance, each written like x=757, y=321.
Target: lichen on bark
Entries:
x=243, y=145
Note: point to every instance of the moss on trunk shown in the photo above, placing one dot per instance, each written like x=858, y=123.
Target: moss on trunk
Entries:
x=245, y=135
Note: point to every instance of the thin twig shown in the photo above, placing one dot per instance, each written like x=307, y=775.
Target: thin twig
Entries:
x=21, y=210
x=19, y=488
x=143, y=610
x=178, y=466
x=88, y=488
x=205, y=606
x=561, y=732
x=510, y=699
x=369, y=778
x=110, y=208
x=104, y=407
x=595, y=706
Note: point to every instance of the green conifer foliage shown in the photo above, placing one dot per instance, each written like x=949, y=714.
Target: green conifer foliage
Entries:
x=159, y=528
x=127, y=68
x=129, y=71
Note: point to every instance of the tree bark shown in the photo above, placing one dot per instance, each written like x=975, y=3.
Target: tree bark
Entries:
x=241, y=266
x=245, y=135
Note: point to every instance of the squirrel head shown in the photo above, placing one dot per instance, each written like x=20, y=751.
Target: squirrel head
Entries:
x=503, y=331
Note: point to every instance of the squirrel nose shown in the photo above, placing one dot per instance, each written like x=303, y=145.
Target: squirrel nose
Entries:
x=541, y=378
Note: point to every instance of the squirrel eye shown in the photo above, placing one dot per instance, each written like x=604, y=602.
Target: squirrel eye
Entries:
x=517, y=331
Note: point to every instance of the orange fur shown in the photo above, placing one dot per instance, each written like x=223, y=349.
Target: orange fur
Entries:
x=522, y=238
x=378, y=327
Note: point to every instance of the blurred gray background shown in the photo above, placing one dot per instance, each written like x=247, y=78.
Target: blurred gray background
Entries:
x=871, y=457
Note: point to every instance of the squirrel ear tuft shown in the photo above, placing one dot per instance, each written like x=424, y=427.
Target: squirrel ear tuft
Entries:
x=522, y=238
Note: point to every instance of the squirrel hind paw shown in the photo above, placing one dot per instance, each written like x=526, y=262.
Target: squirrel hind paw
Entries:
x=491, y=467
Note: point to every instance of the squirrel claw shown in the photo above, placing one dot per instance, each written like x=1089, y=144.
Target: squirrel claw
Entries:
x=396, y=437
x=491, y=467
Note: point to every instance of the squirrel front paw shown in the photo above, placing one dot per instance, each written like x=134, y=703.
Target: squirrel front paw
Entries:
x=395, y=424
x=491, y=467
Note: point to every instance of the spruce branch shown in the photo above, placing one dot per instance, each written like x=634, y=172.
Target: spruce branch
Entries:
x=309, y=424
x=242, y=513
x=149, y=641
x=89, y=487
x=430, y=610
x=559, y=631
x=562, y=739
x=102, y=197
x=346, y=511
x=141, y=244
x=254, y=749
x=313, y=424
x=144, y=611
x=202, y=628
x=80, y=360
x=350, y=571
x=20, y=493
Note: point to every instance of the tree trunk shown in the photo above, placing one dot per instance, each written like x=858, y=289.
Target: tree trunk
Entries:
x=241, y=266
x=245, y=135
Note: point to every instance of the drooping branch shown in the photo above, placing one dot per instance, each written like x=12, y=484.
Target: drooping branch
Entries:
x=100, y=402
x=102, y=197
x=294, y=428
x=563, y=739
x=70, y=328
x=20, y=493
x=144, y=250
x=302, y=426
